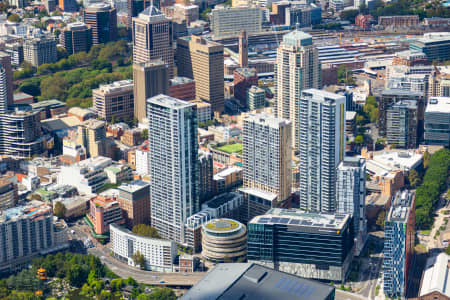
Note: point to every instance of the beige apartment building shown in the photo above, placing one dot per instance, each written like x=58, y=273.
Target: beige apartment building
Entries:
x=38, y=51
x=150, y=79
x=92, y=135
x=115, y=99
x=188, y=12
x=229, y=21
x=8, y=194
x=439, y=83
x=202, y=61
x=297, y=68
x=153, y=38
x=267, y=155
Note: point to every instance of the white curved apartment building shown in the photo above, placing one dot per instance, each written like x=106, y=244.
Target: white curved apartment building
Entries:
x=159, y=254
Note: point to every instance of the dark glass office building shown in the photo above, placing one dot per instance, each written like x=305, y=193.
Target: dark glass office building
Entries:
x=310, y=245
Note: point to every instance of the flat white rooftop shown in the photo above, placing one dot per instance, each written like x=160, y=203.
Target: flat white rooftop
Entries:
x=169, y=102
x=402, y=160
x=436, y=275
x=260, y=194
x=438, y=105
x=267, y=120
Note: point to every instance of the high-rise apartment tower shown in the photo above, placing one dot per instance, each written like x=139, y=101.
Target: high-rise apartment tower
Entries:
x=322, y=148
x=173, y=164
x=267, y=154
x=297, y=68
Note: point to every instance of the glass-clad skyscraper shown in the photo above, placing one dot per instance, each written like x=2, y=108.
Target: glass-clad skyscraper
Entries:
x=309, y=245
x=398, y=243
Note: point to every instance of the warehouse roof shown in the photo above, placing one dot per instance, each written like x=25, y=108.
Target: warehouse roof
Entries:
x=252, y=281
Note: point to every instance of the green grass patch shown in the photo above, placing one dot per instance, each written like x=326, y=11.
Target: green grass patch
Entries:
x=231, y=148
x=437, y=234
x=420, y=248
x=424, y=232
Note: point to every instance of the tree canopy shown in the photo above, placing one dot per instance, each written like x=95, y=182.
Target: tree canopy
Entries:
x=139, y=259
x=59, y=210
x=14, y=18
x=434, y=183
x=72, y=79
x=349, y=15
x=146, y=230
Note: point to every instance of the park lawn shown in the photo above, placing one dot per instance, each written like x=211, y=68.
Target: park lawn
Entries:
x=231, y=148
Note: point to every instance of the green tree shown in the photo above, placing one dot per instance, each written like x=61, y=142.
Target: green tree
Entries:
x=363, y=8
x=31, y=86
x=381, y=218
x=360, y=120
x=144, y=134
x=414, y=178
x=205, y=14
x=159, y=294
x=76, y=275
x=371, y=100
x=145, y=230
x=447, y=250
x=349, y=15
x=359, y=140
x=117, y=284
x=341, y=73
x=104, y=295
x=92, y=277
x=59, y=210
x=426, y=159
x=131, y=281
x=138, y=259
x=43, y=13
x=434, y=183
x=14, y=18
x=97, y=286
x=373, y=115
x=86, y=291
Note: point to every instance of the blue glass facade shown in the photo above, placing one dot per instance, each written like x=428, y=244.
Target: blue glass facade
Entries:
x=434, y=49
x=291, y=243
x=398, y=243
x=394, y=258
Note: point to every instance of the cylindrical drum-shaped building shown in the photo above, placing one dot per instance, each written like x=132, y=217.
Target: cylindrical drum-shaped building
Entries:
x=224, y=240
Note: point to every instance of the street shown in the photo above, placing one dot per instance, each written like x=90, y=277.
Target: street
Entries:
x=81, y=233
x=342, y=295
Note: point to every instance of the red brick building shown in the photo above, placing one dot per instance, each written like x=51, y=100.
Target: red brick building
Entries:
x=182, y=88
x=244, y=78
x=398, y=21
x=363, y=21
x=104, y=211
x=134, y=199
